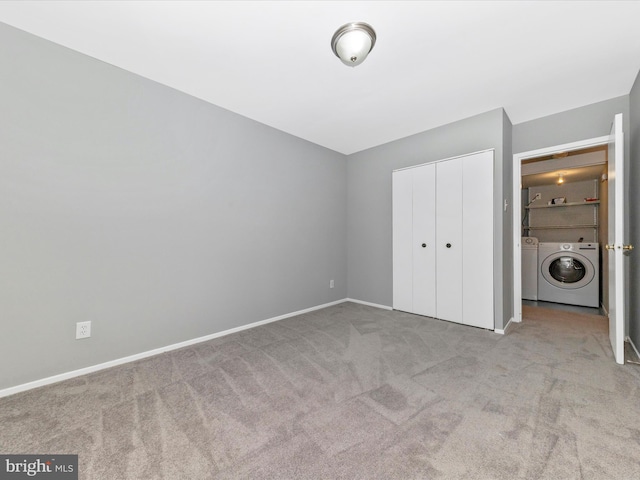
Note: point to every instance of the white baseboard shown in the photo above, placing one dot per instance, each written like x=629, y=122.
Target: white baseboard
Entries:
x=139, y=356
x=633, y=346
x=504, y=330
x=369, y=304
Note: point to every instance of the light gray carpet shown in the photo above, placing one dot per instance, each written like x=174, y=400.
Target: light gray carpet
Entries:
x=351, y=392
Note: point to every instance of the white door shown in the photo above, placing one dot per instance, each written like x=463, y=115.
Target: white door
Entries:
x=414, y=258
x=443, y=240
x=449, y=240
x=402, y=193
x=477, y=240
x=615, y=240
x=424, y=240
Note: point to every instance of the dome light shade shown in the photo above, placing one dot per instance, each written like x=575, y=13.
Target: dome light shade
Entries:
x=352, y=43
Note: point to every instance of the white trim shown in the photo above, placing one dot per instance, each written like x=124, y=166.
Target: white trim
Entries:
x=149, y=353
x=362, y=302
x=633, y=345
x=504, y=330
x=445, y=159
x=517, y=218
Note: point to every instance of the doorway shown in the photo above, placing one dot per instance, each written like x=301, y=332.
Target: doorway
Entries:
x=557, y=161
x=616, y=247
x=564, y=231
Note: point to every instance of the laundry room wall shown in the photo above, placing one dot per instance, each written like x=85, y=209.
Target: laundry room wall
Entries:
x=566, y=218
x=603, y=227
x=524, y=213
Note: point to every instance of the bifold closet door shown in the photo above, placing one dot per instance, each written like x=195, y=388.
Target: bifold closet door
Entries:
x=413, y=192
x=424, y=239
x=449, y=240
x=477, y=240
x=402, y=211
x=443, y=240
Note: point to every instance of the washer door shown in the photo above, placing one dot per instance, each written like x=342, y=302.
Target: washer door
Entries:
x=568, y=270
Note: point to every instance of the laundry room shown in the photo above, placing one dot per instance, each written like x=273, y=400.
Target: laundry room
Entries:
x=564, y=230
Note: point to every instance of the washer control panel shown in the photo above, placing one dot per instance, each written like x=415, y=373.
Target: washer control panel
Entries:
x=578, y=246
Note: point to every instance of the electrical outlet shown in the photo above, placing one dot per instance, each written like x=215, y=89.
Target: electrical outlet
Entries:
x=331, y=284
x=83, y=330
x=538, y=196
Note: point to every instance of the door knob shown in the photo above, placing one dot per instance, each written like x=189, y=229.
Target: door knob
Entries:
x=448, y=245
x=624, y=247
x=424, y=245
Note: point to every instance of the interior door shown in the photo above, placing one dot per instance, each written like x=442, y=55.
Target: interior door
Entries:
x=615, y=240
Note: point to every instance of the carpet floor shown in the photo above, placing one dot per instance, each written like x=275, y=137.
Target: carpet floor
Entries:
x=351, y=392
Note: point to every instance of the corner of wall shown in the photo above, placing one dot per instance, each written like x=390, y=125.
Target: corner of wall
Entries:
x=507, y=219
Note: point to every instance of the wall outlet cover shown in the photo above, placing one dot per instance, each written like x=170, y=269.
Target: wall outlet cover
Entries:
x=83, y=330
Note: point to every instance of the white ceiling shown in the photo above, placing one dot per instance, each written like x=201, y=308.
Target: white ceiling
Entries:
x=433, y=63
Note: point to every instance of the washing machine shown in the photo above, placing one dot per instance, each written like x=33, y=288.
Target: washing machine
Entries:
x=529, y=247
x=569, y=273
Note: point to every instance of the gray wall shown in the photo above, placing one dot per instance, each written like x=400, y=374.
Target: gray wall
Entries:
x=583, y=214
x=634, y=214
x=369, y=201
x=571, y=126
x=507, y=217
x=155, y=215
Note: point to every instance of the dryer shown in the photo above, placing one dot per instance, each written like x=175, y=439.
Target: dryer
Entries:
x=569, y=273
x=529, y=247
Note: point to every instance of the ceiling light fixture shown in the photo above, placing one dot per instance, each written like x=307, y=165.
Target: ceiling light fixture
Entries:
x=560, y=179
x=352, y=43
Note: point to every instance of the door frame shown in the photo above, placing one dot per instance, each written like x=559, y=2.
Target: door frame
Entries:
x=517, y=214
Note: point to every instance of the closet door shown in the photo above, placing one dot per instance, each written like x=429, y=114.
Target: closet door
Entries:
x=424, y=240
x=477, y=240
x=449, y=240
x=443, y=240
x=402, y=200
